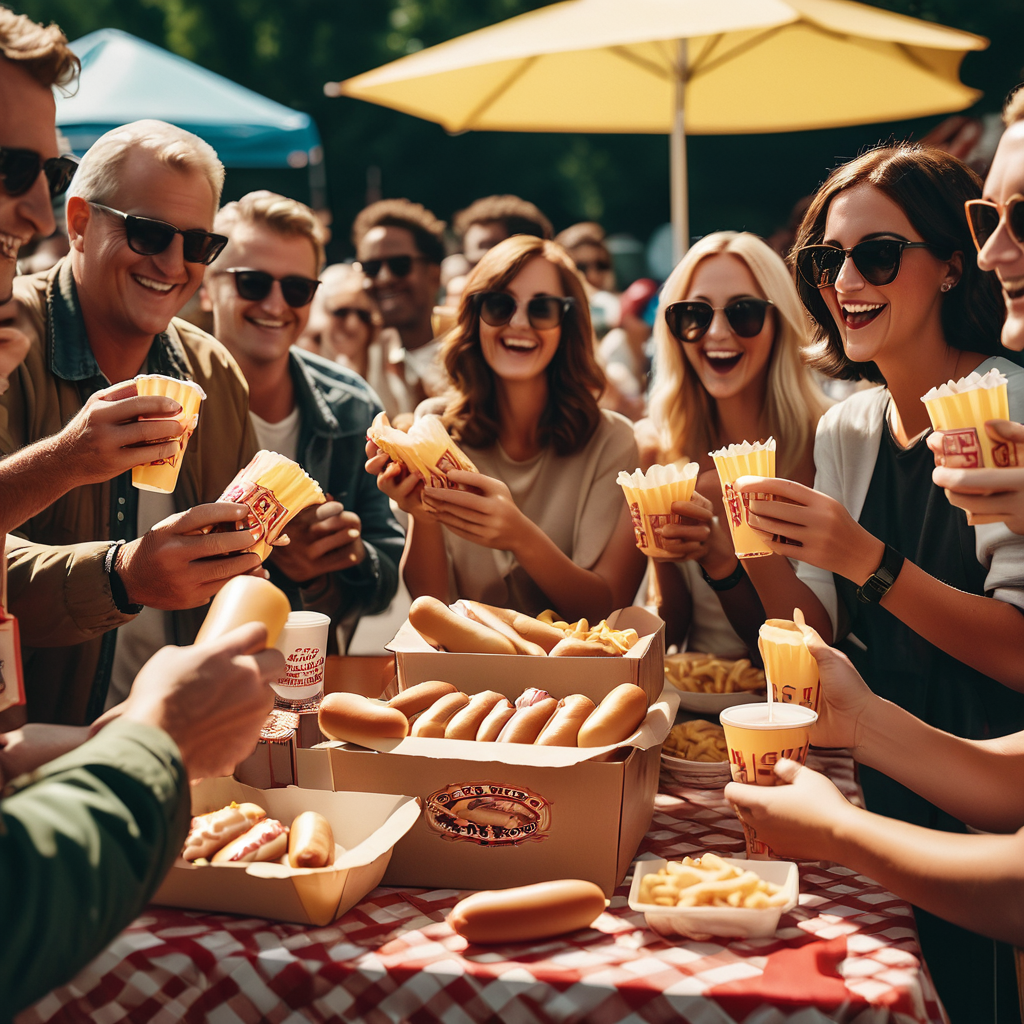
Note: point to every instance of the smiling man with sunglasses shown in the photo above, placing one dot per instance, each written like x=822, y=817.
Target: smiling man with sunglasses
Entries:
x=140, y=216
x=399, y=247
x=343, y=556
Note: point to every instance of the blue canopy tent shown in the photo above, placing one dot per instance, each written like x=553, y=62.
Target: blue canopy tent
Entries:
x=125, y=79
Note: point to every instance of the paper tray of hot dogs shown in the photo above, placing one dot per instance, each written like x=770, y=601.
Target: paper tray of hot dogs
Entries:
x=416, y=661
x=365, y=826
x=504, y=814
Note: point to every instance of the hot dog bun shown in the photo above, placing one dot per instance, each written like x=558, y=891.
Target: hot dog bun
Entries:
x=310, y=841
x=577, y=647
x=491, y=726
x=486, y=615
x=534, y=631
x=441, y=626
x=209, y=832
x=525, y=725
x=464, y=724
x=266, y=840
x=418, y=698
x=528, y=911
x=615, y=718
x=563, y=727
x=434, y=720
x=352, y=718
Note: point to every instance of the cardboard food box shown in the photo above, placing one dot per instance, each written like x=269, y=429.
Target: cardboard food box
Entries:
x=503, y=814
x=367, y=825
x=644, y=665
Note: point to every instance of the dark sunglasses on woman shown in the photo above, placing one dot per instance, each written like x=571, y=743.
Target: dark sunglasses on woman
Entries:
x=149, y=237
x=984, y=217
x=398, y=266
x=19, y=169
x=344, y=312
x=543, y=311
x=255, y=285
x=689, y=321
x=877, y=260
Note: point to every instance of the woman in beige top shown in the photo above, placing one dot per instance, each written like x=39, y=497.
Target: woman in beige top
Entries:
x=545, y=524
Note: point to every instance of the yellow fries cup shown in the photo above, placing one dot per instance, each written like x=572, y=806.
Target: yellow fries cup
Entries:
x=959, y=411
x=162, y=475
x=789, y=666
x=733, y=462
x=757, y=744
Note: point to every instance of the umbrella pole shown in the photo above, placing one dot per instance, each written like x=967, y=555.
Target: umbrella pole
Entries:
x=677, y=162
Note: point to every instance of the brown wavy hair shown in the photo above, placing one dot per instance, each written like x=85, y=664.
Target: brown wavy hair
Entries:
x=574, y=378
x=930, y=187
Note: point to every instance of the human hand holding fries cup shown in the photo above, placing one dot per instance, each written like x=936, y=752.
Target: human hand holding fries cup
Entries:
x=650, y=497
x=162, y=474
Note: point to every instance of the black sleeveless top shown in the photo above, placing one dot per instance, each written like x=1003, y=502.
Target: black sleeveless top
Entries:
x=905, y=509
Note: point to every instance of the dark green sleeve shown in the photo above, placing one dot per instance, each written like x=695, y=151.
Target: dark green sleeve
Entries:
x=84, y=843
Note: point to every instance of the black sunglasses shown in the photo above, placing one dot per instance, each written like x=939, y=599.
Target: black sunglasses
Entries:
x=543, y=311
x=398, y=266
x=255, y=285
x=877, y=260
x=689, y=321
x=149, y=237
x=344, y=312
x=983, y=217
x=19, y=169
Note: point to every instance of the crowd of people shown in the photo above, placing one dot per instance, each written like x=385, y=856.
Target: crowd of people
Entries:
x=906, y=271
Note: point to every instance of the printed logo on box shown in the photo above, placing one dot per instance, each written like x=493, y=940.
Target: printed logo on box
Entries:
x=305, y=667
x=734, y=503
x=266, y=511
x=638, y=524
x=488, y=814
x=1004, y=455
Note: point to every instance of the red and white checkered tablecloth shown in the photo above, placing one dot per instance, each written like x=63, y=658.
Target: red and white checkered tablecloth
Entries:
x=848, y=952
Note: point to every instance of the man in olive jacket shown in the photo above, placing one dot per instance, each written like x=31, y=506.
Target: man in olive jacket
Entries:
x=139, y=212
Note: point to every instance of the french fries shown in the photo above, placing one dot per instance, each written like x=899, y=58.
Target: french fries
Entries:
x=621, y=639
x=697, y=741
x=704, y=673
x=708, y=882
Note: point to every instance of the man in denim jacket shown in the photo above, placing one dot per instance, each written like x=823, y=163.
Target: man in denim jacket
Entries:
x=343, y=556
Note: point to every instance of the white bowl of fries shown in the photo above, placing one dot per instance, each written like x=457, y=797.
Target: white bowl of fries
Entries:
x=695, y=754
x=708, y=684
x=739, y=899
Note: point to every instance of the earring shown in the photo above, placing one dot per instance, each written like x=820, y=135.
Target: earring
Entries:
x=945, y=286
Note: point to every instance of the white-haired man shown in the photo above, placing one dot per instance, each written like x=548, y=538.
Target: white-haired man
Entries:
x=139, y=213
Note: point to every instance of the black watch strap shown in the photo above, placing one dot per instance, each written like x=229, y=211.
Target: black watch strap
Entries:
x=117, y=587
x=877, y=585
x=727, y=582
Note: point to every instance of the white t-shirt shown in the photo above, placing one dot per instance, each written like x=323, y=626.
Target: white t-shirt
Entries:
x=281, y=437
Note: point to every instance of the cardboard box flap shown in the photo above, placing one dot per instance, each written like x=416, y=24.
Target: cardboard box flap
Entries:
x=652, y=731
x=402, y=818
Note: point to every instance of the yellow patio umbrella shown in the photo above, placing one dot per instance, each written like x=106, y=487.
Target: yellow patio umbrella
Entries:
x=677, y=66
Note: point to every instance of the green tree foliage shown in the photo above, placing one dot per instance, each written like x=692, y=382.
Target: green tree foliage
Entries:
x=289, y=50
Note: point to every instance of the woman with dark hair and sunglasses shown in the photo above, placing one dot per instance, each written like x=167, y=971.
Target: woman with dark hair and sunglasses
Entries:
x=543, y=524
x=884, y=266
x=730, y=333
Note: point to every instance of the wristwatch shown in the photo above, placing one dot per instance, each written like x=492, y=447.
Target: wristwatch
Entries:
x=878, y=584
x=117, y=588
x=726, y=582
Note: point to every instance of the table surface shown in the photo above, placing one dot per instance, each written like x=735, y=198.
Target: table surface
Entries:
x=848, y=952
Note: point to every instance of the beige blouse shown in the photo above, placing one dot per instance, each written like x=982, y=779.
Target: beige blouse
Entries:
x=574, y=499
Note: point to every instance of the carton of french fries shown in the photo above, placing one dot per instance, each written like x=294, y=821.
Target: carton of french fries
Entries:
x=714, y=895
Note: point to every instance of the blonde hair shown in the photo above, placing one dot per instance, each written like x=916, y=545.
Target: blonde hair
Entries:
x=684, y=414
x=98, y=175
x=279, y=213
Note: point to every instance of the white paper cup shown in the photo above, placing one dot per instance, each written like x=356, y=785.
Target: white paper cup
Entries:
x=303, y=642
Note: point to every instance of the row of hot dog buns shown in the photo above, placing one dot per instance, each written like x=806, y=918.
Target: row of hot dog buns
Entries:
x=242, y=833
x=469, y=627
x=438, y=710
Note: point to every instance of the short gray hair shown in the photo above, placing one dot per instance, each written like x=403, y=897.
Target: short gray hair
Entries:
x=98, y=174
